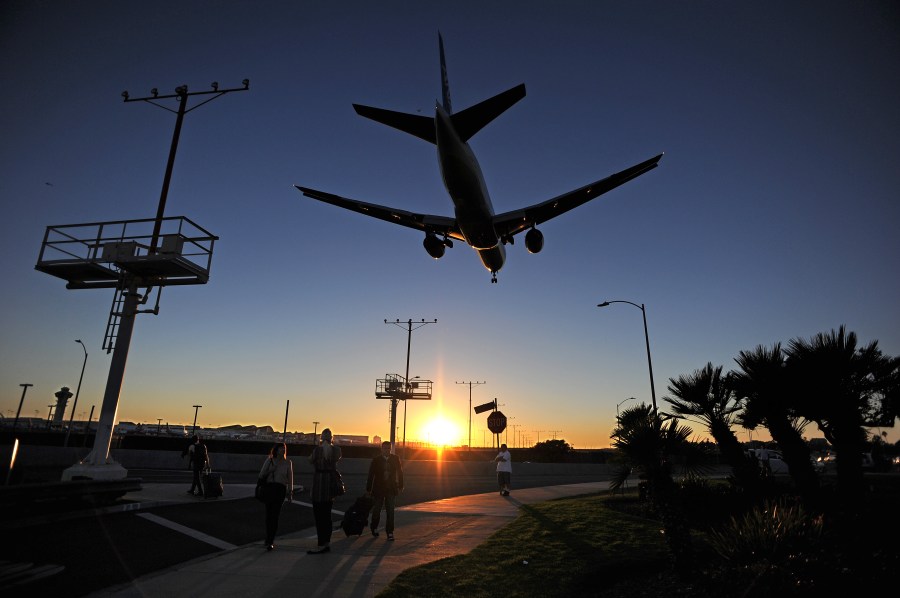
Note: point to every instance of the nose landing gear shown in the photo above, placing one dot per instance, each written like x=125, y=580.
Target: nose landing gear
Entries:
x=493, y=277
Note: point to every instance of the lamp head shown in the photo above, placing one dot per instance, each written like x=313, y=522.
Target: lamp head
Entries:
x=604, y=304
x=214, y=85
x=246, y=83
x=125, y=95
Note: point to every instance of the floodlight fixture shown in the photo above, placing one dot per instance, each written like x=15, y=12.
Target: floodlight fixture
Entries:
x=214, y=85
x=125, y=95
x=154, y=92
x=246, y=83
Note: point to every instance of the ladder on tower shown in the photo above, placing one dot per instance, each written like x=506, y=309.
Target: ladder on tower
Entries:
x=115, y=316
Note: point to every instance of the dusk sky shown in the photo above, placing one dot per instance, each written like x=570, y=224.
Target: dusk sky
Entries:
x=774, y=213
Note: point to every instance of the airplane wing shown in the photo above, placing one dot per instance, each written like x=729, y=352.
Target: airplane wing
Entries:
x=439, y=225
x=511, y=223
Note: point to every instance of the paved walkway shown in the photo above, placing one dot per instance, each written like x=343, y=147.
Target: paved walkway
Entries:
x=356, y=566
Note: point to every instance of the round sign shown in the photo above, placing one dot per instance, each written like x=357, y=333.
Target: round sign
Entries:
x=496, y=422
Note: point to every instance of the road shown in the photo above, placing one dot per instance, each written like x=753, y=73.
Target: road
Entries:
x=75, y=555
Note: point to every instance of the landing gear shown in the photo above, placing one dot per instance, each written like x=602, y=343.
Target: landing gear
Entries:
x=493, y=277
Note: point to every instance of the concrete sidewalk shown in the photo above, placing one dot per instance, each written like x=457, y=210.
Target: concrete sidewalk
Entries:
x=356, y=566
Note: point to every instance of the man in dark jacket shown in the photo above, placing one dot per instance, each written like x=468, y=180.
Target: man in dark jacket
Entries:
x=384, y=483
x=199, y=460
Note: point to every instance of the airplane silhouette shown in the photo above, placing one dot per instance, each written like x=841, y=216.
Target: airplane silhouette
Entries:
x=475, y=221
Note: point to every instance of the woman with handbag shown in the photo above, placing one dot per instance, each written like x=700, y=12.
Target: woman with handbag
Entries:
x=326, y=485
x=274, y=487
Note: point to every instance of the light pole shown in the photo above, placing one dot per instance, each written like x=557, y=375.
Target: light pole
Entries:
x=315, y=429
x=22, y=400
x=620, y=403
x=470, y=407
x=77, y=391
x=196, y=409
x=646, y=339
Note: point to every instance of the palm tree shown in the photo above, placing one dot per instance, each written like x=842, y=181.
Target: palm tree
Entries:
x=647, y=442
x=765, y=387
x=706, y=396
x=842, y=386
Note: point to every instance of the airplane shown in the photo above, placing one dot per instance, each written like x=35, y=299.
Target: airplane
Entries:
x=475, y=222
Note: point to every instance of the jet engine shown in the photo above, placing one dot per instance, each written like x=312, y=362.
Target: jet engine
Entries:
x=534, y=240
x=434, y=246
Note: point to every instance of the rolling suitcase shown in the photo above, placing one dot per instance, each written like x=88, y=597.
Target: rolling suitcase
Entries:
x=357, y=516
x=213, y=486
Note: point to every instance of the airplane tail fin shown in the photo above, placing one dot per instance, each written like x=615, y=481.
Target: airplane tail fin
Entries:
x=467, y=123
x=445, y=82
x=473, y=119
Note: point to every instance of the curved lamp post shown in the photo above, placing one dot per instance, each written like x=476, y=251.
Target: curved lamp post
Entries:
x=77, y=392
x=619, y=404
x=646, y=338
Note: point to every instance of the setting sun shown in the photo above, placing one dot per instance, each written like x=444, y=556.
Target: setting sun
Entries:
x=440, y=432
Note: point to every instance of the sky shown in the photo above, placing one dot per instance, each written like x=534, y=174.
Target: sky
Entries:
x=773, y=214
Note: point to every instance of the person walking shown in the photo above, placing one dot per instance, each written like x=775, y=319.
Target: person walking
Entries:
x=324, y=459
x=504, y=469
x=198, y=460
x=384, y=483
x=277, y=474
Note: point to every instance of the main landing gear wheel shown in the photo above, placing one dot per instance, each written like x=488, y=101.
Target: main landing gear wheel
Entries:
x=493, y=277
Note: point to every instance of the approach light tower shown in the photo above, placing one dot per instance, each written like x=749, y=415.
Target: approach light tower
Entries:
x=134, y=257
x=388, y=388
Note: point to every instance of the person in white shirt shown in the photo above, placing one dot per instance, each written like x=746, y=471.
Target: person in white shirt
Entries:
x=504, y=469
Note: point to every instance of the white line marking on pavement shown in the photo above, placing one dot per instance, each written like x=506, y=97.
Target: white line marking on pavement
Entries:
x=187, y=531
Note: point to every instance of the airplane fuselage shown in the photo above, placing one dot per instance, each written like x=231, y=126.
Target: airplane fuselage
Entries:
x=465, y=184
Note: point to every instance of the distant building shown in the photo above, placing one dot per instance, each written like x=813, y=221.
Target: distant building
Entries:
x=350, y=439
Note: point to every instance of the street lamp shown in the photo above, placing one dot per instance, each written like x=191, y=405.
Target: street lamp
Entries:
x=619, y=404
x=646, y=338
x=22, y=400
x=196, y=409
x=77, y=391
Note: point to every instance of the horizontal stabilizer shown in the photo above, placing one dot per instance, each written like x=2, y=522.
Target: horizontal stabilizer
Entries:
x=419, y=126
x=473, y=119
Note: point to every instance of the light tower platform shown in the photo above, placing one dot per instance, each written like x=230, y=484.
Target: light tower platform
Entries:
x=98, y=255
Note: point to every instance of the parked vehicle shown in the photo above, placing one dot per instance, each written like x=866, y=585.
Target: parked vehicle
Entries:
x=770, y=461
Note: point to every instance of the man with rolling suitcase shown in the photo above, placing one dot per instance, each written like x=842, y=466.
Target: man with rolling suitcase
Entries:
x=198, y=461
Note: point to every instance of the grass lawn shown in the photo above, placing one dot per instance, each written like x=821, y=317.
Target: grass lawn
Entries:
x=572, y=547
x=603, y=545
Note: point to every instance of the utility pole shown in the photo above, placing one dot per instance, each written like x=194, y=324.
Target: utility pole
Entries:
x=409, y=328
x=554, y=432
x=538, y=432
x=315, y=429
x=471, y=384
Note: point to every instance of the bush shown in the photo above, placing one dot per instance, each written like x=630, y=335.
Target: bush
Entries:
x=774, y=550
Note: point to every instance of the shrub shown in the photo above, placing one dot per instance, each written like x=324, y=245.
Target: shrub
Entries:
x=771, y=550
